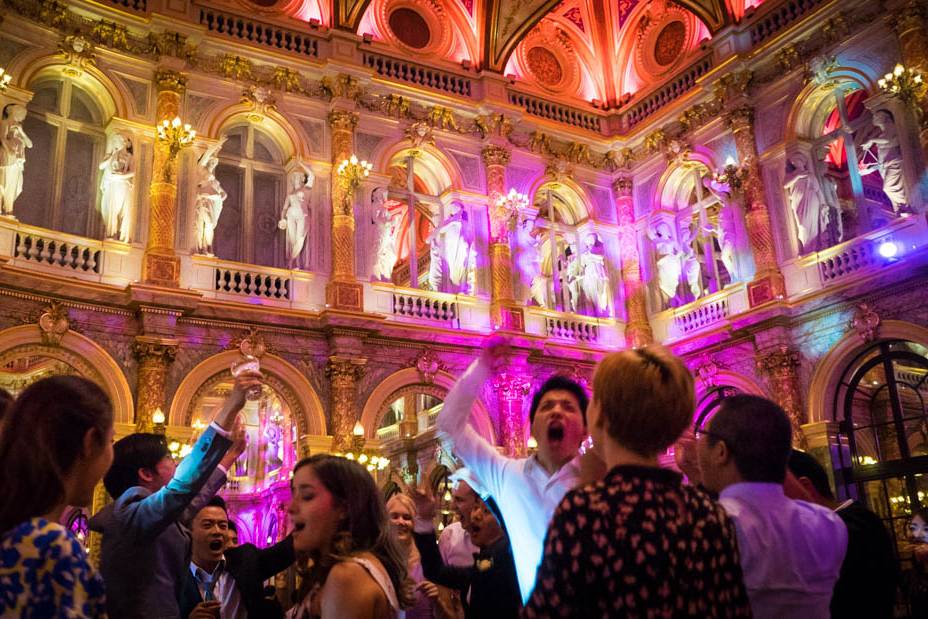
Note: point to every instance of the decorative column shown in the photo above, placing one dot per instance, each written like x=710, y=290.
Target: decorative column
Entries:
x=768, y=282
x=155, y=356
x=503, y=310
x=637, y=329
x=780, y=366
x=160, y=265
x=511, y=390
x=910, y=24
x=343, y=374
x=343, y=290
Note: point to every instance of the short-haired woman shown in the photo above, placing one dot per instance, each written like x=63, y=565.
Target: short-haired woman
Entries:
x=356, y=570
x=639, y=542
x=56, y=442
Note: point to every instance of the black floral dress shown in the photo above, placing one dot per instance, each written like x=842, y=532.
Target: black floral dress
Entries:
x=640, y=543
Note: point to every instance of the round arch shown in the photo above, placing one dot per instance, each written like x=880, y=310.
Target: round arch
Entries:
x=111, y=97
x=80, y=352
x=297, y=390
x=437, y=170
x=407, y=378
x=830, y=368
x=672, y=184
x=813, y=102
x=744, y=384
x=577, y=199
x=281, y=130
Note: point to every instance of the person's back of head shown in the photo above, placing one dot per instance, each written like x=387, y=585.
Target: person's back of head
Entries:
x=811, y=475
x=55, y=436
x=644, y=399
x=756, y=441
x=141, y=450
x=6, y=400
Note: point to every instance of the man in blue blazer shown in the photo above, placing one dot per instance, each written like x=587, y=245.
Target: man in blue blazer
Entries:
x=144, y=552
x=229, y=579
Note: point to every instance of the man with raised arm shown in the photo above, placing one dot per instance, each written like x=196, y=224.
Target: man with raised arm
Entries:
x=527, y=490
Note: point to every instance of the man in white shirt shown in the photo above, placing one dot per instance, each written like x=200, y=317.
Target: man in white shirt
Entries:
x=527, y=490
x=791, y=551
x=454, y=543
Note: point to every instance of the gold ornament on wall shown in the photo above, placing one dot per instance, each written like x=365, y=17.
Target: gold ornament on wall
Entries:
x=78, y=53
x=54, y=323
x=176, y=135
x=236, y=67
x=261, y=102
x=442, y=118
x=906, y=84
x=420, y=134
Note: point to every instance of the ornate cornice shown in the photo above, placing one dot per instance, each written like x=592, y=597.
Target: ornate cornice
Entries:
x=496, y=155
x=343, y=120
x=170, y=80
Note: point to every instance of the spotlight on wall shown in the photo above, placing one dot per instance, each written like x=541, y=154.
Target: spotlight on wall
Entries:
x=314, y=22
x=368, y=37
x=465, y=64
x=888, y=249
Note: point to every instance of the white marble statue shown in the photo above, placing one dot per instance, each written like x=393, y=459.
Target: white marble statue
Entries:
x=116, y=187
x=450, y=247
x=295, y=213
x=386, y=223
x=805, y=199
x=209, y=200
x=669, y=266
x=692, y=267
x=13, y=145
x=594, y=281
x=528, y=260
x=725, y=230
x=571, y=278
x=888, y=159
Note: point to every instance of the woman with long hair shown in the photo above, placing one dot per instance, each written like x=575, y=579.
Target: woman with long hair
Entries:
x=402, y=513
x=355, y=567
x=56, y=442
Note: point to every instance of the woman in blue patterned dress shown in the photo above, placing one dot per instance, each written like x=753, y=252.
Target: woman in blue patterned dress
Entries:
x=55, y=445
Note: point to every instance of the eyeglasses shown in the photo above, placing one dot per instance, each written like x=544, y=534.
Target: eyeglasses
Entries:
x=698, y=432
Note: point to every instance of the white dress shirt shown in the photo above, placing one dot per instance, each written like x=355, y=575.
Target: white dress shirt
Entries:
x=455, y=546
x=524, y=491
x=224, y=591
x=791, y=551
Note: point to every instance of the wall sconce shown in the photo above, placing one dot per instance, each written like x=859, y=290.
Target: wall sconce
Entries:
x=176, y=135
x=903, y=83
x=157, y=419
x=349, y=174
x=370, y=461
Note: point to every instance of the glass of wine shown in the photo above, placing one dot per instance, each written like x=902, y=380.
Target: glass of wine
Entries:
x=248, y=363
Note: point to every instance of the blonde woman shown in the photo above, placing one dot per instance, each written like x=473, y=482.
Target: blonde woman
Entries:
x=402, y=513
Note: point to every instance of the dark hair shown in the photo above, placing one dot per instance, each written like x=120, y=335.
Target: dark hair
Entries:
x=802, y=464
x=758, y=434
x=364, y=528
x=559, y=382
x=217, y=501
x=645, y=397
x=232, y=525
x=41, y=438
x=142, y=450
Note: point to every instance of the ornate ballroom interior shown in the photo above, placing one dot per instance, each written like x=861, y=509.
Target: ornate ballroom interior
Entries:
x=354, y=193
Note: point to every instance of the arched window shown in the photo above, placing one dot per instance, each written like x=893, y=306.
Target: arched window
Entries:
x=695, y=238
x=709, y=404
x=251, y=171
x=61, y=179
x=880, y=405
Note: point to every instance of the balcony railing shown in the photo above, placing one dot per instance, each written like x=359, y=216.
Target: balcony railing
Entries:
x=709, y=312
x=250, y=283
x=556, y=112
x=252, y=31
x=776, y=20
x=674, y=89
x=420, y=75
x=425, y=305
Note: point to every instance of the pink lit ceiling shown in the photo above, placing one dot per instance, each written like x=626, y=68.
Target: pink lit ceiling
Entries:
x=598, y=51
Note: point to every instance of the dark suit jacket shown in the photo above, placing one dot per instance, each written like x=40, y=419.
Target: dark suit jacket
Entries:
x=494, y=589
x=249, y=566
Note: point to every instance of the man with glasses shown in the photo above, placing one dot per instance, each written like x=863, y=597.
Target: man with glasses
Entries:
x=791, y=551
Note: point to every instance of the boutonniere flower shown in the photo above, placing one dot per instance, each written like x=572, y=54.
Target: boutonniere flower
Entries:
x=484, y=564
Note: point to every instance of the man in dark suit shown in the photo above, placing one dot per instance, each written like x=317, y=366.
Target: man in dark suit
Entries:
x=228, y=581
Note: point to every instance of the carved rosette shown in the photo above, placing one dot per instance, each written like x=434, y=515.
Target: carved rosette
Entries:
x=155, y=357
x=343, y=374
x=637, y=329
x=511, y=390
x=780, y=366
x=54, y=323
x=866, y=323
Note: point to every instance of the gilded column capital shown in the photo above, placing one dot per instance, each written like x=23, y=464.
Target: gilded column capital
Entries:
x=496, y=155
x=741, y=119
x=781, y=367
x=154, y=349
x=170, y=80
x=343, y=120
x=344, y=370
x=511, y=386
x=778, y=361
x=623, y=186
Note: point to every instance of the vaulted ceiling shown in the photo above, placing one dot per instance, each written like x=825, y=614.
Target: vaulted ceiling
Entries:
x=601, y=51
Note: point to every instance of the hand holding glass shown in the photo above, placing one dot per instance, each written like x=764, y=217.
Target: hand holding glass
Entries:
x=248, y=363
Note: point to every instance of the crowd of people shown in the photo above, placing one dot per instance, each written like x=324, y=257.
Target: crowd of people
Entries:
x=590, y=525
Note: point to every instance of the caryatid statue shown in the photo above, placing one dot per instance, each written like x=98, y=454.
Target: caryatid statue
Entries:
x=450, y=249
x=669, y=264
x=210, y=198
x=725, y=230
x=116, y=187
x=806, y=200
x=13, y=145
x=888, y=159
x=385, y=223
x=594, y=281
x=692, y=267
x=528, y=259
x=295, y=213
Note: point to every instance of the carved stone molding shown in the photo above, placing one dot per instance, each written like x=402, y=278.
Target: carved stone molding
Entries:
x=781, y=368
x=169, y=80
x=623, y=186
x=428, y=365
x=866, y=323
x=54, y=323
x=343, y=120
x=494, y=155
x=419, y=134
